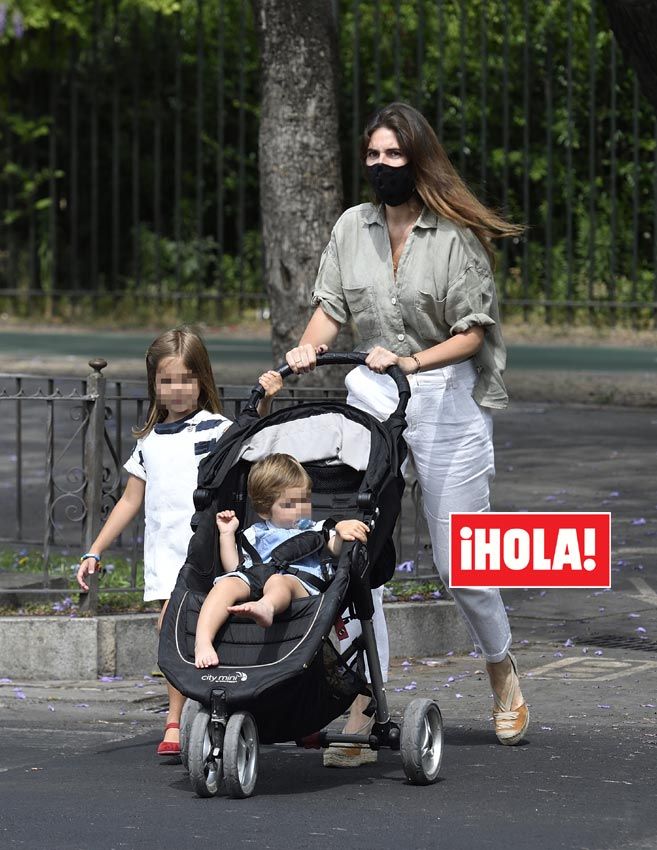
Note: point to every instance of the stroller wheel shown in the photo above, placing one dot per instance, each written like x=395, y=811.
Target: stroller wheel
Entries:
x=422, y=741
x=241, y=755
x=189, y=712
x=204, y=770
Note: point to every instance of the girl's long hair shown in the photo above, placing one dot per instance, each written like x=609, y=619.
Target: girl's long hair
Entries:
x=185, y=343
x=437, y=182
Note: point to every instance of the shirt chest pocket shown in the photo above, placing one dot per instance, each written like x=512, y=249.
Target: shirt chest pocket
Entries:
x=430, y=313
x=362, y=306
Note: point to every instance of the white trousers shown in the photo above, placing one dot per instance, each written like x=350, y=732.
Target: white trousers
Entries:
x=451, y=440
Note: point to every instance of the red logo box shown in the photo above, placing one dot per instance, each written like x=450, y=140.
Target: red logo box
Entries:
x=530, y=550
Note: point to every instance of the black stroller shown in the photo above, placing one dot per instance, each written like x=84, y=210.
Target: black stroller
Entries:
x=286, y=682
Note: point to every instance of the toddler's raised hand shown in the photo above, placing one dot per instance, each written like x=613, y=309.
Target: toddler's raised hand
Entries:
x=352, y=529
x=227, y=522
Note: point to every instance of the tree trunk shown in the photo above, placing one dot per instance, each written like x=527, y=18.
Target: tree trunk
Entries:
x=634, y=23
x=300, y=168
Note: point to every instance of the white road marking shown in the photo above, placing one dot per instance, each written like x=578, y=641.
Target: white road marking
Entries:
x=591, y=669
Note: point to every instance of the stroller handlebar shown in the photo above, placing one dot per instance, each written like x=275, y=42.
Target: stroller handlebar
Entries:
x=347, y=358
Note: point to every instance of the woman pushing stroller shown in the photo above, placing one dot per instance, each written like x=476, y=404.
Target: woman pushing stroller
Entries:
x=414, y=273
x=280, y=491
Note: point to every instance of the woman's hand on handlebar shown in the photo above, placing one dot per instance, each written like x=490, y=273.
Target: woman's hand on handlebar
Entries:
x=303, y=358
x=379, y=359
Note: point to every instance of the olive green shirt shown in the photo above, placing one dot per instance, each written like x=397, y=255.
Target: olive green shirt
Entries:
x=444, y=286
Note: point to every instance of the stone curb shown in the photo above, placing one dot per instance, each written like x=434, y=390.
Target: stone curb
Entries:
x=57, y=648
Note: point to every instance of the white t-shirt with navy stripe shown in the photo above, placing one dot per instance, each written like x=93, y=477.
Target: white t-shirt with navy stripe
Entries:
x=167, y=460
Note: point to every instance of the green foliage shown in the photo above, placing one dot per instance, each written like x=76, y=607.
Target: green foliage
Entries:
x=119, y=575
x=427, y=53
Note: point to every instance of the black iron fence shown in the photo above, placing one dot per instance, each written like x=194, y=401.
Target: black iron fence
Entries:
x=62, y=447
x=129, y=140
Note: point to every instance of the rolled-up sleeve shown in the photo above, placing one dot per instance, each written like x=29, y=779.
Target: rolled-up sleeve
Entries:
x=470, y=300
x=135, y=463
x=328, y=292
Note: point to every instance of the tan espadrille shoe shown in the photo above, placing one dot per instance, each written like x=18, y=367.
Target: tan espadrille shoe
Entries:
x=510, y=726
x=351, y=755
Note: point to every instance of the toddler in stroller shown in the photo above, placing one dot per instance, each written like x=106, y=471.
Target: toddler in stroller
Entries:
x=279, y=490
x=285, y=681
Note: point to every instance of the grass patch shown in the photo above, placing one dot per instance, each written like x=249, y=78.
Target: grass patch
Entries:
x=114, y=595
x=414, y=591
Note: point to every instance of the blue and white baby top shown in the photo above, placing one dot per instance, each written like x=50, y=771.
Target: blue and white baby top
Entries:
x=265, y=537
x=167, y=460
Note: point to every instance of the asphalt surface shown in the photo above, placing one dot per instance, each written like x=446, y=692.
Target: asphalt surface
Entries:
x=225, y=350
x=77, y=762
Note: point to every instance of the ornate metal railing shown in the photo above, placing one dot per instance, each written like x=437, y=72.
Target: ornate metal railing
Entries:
x=62, y=446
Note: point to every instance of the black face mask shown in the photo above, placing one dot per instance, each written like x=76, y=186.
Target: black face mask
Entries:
x=393, y=186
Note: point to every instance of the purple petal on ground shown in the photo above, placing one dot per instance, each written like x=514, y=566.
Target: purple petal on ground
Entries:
x=417, y=597
x=585, y=650
x=634, y=616
x=451, y=679
x=604, y=706
x=569, y=643
x=19, y=694
x=524, y=642
x=648, y=705
x=601, y=609
x=542, y=593
x=614, y=494
x=122, y=713
x=639, y=521
x=436, y=594
x=638, y=567
x=5, y=681
x=106, y=679
x=81, y=705
x=558, y=654
x=458, y=696
x=598, y=652
x=51, y=707
x=406, y=567
x=546, y=728
x=641, y=630
x=412, y=686
x=550, y=498
x=406, y=663
x=473, y=654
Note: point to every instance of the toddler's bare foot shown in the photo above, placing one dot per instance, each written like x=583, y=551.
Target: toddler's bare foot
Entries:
x=204, y=655
x=260, y=611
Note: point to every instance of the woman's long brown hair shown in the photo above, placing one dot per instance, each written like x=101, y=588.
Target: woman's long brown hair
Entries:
x=185, y=343
x=437, y=182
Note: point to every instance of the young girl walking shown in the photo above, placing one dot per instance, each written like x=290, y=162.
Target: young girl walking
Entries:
x=183, y=424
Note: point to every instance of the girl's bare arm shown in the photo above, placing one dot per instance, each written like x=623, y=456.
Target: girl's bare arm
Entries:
x=125, y=510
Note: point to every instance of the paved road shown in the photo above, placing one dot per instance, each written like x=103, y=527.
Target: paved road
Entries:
x=230, y=350
x=79, y=770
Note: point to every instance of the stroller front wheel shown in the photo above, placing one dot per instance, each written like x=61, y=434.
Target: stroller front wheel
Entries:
x=422, y=741
x=241, y=750
x=189, y=712
x=204, y=769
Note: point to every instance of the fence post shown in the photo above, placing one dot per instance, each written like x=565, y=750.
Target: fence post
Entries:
x=93, y=467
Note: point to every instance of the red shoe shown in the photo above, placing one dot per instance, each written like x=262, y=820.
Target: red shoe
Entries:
x=169, y=748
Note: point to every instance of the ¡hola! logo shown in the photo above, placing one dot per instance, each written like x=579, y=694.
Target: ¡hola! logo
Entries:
x=530, y=550
x=225, y=678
